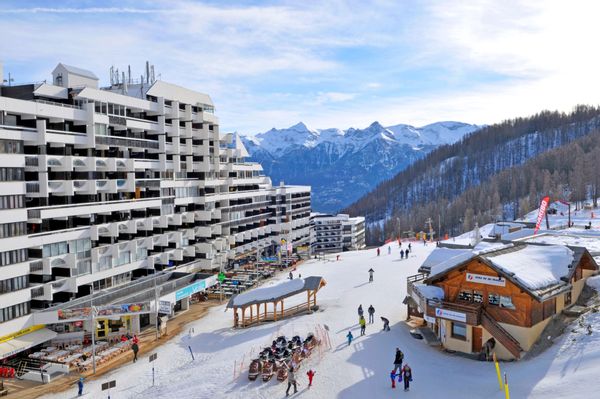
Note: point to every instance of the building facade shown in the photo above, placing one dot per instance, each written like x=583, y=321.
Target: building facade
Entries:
x=104, y=186
x=498, y=296
x=337, y=233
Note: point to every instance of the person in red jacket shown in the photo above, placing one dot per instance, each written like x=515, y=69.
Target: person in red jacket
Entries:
x=393, y=378
x=310, y=373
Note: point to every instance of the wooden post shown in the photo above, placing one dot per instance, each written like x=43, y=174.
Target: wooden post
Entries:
x=308, y=300
x=282, y=305
x=265, y=311
x=243, y=316
x=251, y=314
x=274, y=311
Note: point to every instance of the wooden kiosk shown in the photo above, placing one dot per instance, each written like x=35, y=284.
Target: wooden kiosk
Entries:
x=268, y=303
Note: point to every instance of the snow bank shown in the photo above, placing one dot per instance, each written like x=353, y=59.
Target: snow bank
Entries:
x=594, y=282
x=534, y=266
x=268, y=293
x=589, y=241
x=429, y=291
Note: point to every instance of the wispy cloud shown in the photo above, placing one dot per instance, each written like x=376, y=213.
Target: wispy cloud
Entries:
x=268, y=64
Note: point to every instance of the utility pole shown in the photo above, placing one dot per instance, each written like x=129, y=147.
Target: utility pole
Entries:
x=93, y=330
x=156, y=305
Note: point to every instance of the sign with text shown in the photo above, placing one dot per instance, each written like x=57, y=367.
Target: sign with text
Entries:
x=109, y=385
x=152, y=357
x=483, y=279
x=451, y=315
x=164, y=307
x=190, y=290
x=429, y=319
x=74, y=314
x=123, y=309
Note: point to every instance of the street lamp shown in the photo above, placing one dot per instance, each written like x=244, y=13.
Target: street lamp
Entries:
x=93, y=314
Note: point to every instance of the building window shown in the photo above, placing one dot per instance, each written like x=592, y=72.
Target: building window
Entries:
x=493, y=299
x=11, y=147
x=506, y=302
x=15, y=311
x=459, y=331
x=12, y=257
x=14, y=284
x=12, y=201
x=12, y=174
x=568, y=298
x=477, y=296
x=13, y=229
x=465, y=295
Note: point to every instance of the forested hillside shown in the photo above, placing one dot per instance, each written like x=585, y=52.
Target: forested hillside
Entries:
x=498, y=172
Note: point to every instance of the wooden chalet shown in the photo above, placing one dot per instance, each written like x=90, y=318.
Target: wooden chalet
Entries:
x=505, y=291
x=268, y=303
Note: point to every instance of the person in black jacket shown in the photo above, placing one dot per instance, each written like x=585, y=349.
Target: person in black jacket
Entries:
x=371, y=311
x=386, y=324
x=406, y=376
x=398, y=360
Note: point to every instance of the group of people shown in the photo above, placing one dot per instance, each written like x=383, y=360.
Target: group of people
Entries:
x=403, y=252
x=402, y=373
x=362, y=322
x=292, y=379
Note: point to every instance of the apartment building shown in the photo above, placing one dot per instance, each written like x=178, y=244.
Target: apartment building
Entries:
x=336, y=233
x=100, y=187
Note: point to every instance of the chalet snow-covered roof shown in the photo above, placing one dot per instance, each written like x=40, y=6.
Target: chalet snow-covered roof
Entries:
x=445, y=258
x=77, y=71
x=535, y=266
x=276, y=292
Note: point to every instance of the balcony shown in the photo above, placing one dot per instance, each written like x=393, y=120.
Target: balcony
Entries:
x=61, y=187
x=106, y=186
x=87, y=187
x=471, y=311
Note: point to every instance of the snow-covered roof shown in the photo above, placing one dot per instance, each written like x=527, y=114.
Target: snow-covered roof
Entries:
x=588, y=239
x=276, y=292
x=430, y=291
x=443, y=259
x=535, y=266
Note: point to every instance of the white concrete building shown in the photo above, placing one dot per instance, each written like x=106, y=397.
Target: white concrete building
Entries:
x=103, y=186
x=336, y=233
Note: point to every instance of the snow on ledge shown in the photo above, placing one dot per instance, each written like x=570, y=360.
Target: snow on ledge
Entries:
x=266, y=294
x=430, y=291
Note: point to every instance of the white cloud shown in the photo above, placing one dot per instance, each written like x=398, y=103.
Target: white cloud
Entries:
x=334, y=97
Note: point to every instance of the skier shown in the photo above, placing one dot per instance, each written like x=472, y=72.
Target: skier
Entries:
x=409, y=247
x=310, y=373
x=424, y=242
x=291, y=381
x=406, y=254
x=407, y=376
x=349, y=336
x=371, y=271
x=360, y=311
x=398, y=360
x=291, y=276
x=386, y=324
x=393, y=377
x=135, y=348
x=363, y=325
x=80, y=387
x=371, y=311
x=389, y=250
x=401, y=254
x=337, y=257
x=378, y=250
x=399, y=243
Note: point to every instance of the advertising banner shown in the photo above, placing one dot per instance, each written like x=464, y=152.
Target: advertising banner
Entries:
x=451, y=315
x=123, y=309
x=541, y=213
x=74, y=314
x=483, y=279
x=190, y=290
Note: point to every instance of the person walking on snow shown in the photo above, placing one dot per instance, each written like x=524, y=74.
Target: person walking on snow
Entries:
x=389, y=250
x=398, y=360
x=406, y=254
x=401, y=254
x=393, y=378
x=310, y=373
x=409, y=247
x=378, y=250
x=371, y=311
x=291, y=276
x=360, y=311
x=291, y=381
x=135, y=348
x=386, y=324
x=349, y=336
x=407, y=376
x=371, y=271
x=363, y=325
x=80, y=387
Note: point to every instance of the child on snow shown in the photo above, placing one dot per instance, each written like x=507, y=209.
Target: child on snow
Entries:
x=393, y=378
x=407, y=376
x=349, y=336
x=310, y=373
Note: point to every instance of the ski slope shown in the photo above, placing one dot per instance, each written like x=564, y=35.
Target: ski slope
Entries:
x=568, y=369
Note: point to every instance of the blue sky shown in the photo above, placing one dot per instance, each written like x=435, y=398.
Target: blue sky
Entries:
x=327, y=63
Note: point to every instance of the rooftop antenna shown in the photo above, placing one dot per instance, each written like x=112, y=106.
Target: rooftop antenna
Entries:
x=124, y=84
x=147, y=72
x=152, y=79
x=112, y=75
x=129, y=74
x=9, y=80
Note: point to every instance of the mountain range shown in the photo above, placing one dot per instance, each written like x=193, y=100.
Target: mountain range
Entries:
x=343, y=165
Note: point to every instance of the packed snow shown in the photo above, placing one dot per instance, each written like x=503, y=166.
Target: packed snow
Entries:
x=579, y=218
x=590, y=241
x=430, y=291
x=569, y=369
x=536, y=266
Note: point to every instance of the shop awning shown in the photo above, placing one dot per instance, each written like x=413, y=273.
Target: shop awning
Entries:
x=26, y=341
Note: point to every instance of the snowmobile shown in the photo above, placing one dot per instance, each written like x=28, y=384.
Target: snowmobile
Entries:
x=282, y=373
x=267, y=370
x=255, y=369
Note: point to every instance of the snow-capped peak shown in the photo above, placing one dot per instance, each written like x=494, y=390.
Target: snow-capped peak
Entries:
x=278, y=142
